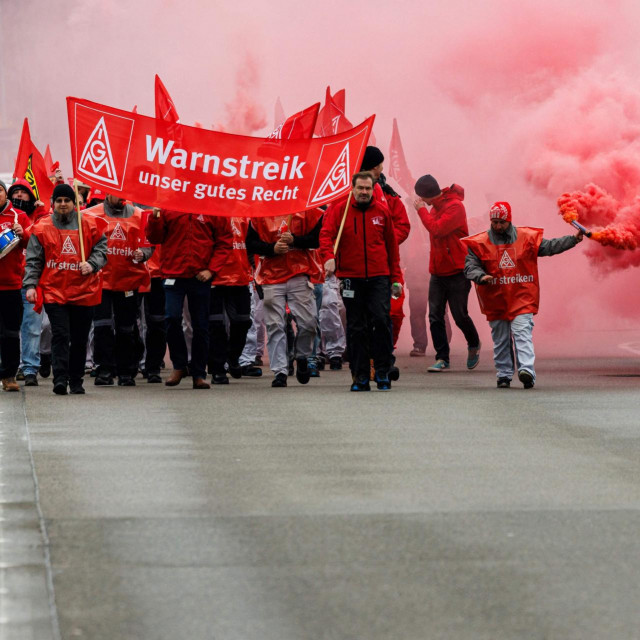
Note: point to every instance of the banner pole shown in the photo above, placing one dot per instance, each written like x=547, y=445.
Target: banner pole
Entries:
x=80, y=235
x=344, y=218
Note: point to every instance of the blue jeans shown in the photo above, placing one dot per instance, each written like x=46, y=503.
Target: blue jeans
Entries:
x=30, y=337
x=197, y=294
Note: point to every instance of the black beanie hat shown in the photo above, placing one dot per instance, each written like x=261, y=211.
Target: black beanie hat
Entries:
x=372, y=158
x=3, y=186
x=427, y=187
x=63, y=191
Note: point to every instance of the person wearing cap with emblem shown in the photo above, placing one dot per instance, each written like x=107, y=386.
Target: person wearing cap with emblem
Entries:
x=503, y=262
x=446, y=222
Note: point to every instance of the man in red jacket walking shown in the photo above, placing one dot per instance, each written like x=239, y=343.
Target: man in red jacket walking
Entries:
x=367, y=262
x=194, y=248
x=446, y=223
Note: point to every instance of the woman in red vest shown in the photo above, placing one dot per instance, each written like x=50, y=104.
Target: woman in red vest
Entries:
x=503, y=262
x=71, y=287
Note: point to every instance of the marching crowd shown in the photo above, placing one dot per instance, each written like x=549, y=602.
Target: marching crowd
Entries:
x=323, y=286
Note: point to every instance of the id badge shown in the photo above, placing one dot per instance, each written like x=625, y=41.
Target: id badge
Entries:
x=169, y=282
x=128, y=294
x=347, y=291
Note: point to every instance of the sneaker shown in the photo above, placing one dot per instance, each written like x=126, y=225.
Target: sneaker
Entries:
x=526, y=378
x=473, y=357
x=383, y=383
x=335, y=363
x=504, y=383
x=394, y=373
x=20, y=374
x=251, y=372
x=313, y=370
x=76, y=388
x=126, y=381
x=302, y=370
x=219, y=378
x=104, y=380
x=235, y=371
x=30, y=380
x=60, y=388
x=154, y=378
x=438, y=365
x=45, y=365
x=417, y=353
x=280, y=380
x=321, y=362
x=10, y=384
x=361, y=384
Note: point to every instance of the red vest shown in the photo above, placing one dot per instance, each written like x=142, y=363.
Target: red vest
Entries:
x=515, y=288
x=124, y=236
x=236, y=271
x=61, y=280
x=280, y=268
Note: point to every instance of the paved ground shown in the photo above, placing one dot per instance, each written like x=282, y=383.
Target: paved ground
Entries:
x=443, y=509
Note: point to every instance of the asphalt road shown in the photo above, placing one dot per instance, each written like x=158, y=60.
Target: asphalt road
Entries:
x=443, y=509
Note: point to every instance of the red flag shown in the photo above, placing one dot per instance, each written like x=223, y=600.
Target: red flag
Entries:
x=398, y=167
x=279, y=114
x=31, y=166
x=298, y=126
x=209, y=172
x=48, y=161
x=135, y=108
x=165, y=109
x=333, y=120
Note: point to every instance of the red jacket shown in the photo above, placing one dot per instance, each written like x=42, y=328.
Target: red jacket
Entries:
x=447, y=225
x=368, y=246
x=190, y=243
x=398, y=212
x=236, y=271
x=12, y=265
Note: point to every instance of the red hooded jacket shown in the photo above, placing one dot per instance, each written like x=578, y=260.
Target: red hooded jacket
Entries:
x=190, y=243
x=12, y=265
x=368, y=246
x=446, y=223
x=398, y=212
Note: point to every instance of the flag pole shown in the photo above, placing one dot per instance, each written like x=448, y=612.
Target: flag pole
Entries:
x=80, y=237
x=344, y=218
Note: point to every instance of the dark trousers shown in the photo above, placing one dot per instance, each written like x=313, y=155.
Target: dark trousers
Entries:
x=230, y=305
x=70, y=326
x=452, y=290
x=197, y=294
x=115, y=340
x=369, y=324
x=10, y=322
x=156, y=336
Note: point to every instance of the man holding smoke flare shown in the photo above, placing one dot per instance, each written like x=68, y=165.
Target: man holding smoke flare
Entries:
x=503, y=262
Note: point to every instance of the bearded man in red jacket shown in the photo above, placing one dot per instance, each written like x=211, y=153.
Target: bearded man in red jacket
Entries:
x=367, y=262
x=446, y=222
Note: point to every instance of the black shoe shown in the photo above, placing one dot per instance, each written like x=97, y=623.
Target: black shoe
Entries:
x=504, y=383
x=219, y=378
x=280, y=380
x=154, y=378
x=235, y=371
x=302, y=370
x=321, y=362
x=45, y=365
x=125, y=381
x=394, y=373
x=383, y=383
x=526, y=378
x=105, y=380
x=362, y=384
x=76, y=388
x=60, y=388
x=258, y=362
x=251, y=372
x=95, y=372
x=335, y=364
x=30, y=380
x=20, y=375
x=313, y=370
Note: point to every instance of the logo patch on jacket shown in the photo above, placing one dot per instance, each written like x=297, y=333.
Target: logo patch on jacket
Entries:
x=378, y=220
x=118, y=233
x=508, y=259
x=68, y=248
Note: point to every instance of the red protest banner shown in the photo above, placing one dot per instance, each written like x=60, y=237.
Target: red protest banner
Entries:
x=209, y=172
x=30, y=165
